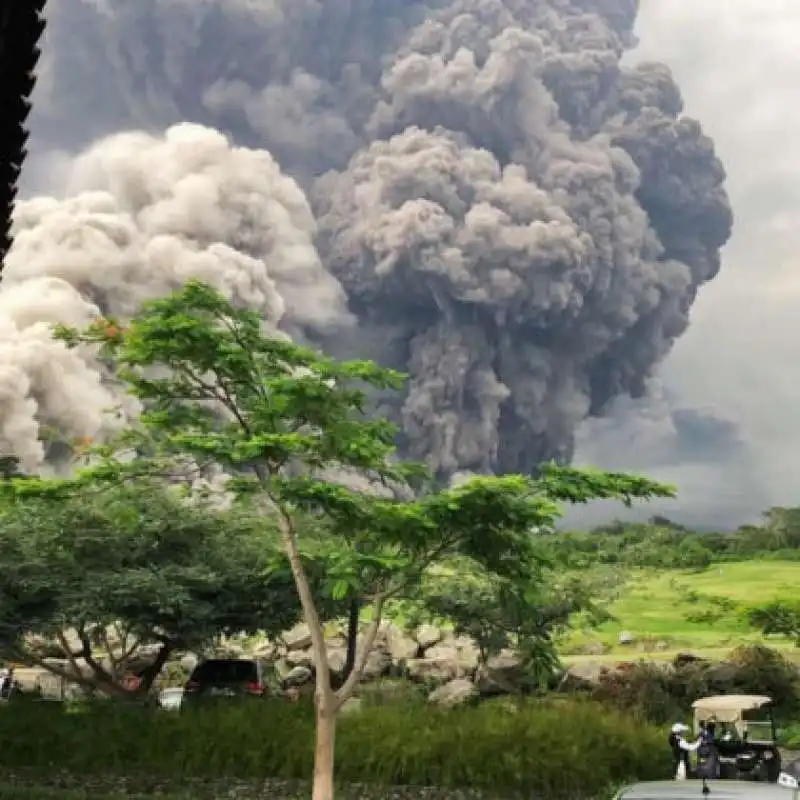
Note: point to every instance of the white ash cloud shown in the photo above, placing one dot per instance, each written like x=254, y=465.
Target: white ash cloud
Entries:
x=142, y=215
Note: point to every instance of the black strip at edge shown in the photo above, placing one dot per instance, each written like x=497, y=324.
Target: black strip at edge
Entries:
x=21, y=26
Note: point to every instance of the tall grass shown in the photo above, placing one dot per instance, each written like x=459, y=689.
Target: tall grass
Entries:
x=554, y=749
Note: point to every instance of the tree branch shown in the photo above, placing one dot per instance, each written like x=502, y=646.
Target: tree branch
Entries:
x=67, y=650
x=110, y=652
x=26, y=657
x=415, y=575
x=150, y=673
x=123, y=659
x=289, y=536
x=92, y=662
x=76, y=676
x=346, y=689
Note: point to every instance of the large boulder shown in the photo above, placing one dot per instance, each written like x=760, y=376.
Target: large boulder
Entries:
x=460, y=651
x=454, y=693
x=298, y=638
x=299, y=658
x=379, y=663
x=502, y=674
x=337, y=659
x=587, y=674
x=432, y=670
x=428, y=635
x=298, y=676
x=400, y=646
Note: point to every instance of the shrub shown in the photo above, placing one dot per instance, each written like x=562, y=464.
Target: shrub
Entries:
x=763, y=670
x=553, y=749
x=789, y=737
x=658, y=693
x=643, y=689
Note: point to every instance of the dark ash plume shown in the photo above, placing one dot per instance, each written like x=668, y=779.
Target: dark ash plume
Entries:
x=516, y=219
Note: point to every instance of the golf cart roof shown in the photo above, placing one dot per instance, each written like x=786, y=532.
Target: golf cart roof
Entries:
x=693, y=790
x=728, y=707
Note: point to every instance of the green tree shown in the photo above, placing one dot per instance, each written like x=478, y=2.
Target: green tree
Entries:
x=217, y=389
x=783, y=527
x=526, y=614
x=96, y=575
x=777, y=619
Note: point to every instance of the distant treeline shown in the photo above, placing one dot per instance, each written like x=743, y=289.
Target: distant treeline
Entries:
x=663, y=543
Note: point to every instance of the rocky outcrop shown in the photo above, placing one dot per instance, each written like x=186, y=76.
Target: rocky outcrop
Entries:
x=427, y=662
x=445, y=666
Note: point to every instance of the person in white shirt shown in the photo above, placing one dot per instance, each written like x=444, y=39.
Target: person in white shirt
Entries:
x=680, y=750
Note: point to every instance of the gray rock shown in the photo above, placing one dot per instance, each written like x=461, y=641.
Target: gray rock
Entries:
x=501, y=674
x=427, y=636
x=378, y=664
x=297, y=676
x=462, y=652
x=432, y=669
x=454, y=693
x=588, y=672
x=337, y=658
x=299, y=658
x=399, y=646
x=265, y=650
x=298, y=638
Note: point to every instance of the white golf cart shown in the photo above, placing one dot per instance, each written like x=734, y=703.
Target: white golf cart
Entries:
x=745, y=735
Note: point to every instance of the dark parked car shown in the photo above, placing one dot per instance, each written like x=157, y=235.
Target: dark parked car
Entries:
x=226, y=678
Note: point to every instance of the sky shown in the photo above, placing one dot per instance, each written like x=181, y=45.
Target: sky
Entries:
x=721, y=421
x=738, y=65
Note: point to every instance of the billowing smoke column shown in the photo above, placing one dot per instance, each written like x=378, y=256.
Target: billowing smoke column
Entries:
x=515, y=219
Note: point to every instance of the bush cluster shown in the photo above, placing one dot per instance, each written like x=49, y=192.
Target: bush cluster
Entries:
x=662, y=544
x=660, y=693
x=554, y=749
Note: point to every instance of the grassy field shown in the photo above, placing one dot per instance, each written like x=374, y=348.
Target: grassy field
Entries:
x=674, y=611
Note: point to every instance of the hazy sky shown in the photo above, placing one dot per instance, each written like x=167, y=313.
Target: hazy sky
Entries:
x=738, y=64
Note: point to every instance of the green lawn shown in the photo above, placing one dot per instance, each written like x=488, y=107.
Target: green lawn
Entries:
x=657, y=606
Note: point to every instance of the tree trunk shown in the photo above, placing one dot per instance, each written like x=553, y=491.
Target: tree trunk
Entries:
x=324, y=751
x=149, y=674
x=352, y=637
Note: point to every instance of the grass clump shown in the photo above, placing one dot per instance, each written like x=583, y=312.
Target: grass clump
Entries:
x=555, y=749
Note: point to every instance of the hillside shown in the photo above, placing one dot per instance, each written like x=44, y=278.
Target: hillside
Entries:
x=671, y=611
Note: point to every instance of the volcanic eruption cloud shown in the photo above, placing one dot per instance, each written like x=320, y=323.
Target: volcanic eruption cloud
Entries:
x=475, y=192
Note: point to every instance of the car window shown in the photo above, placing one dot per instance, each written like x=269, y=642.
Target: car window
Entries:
x=225, y=672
